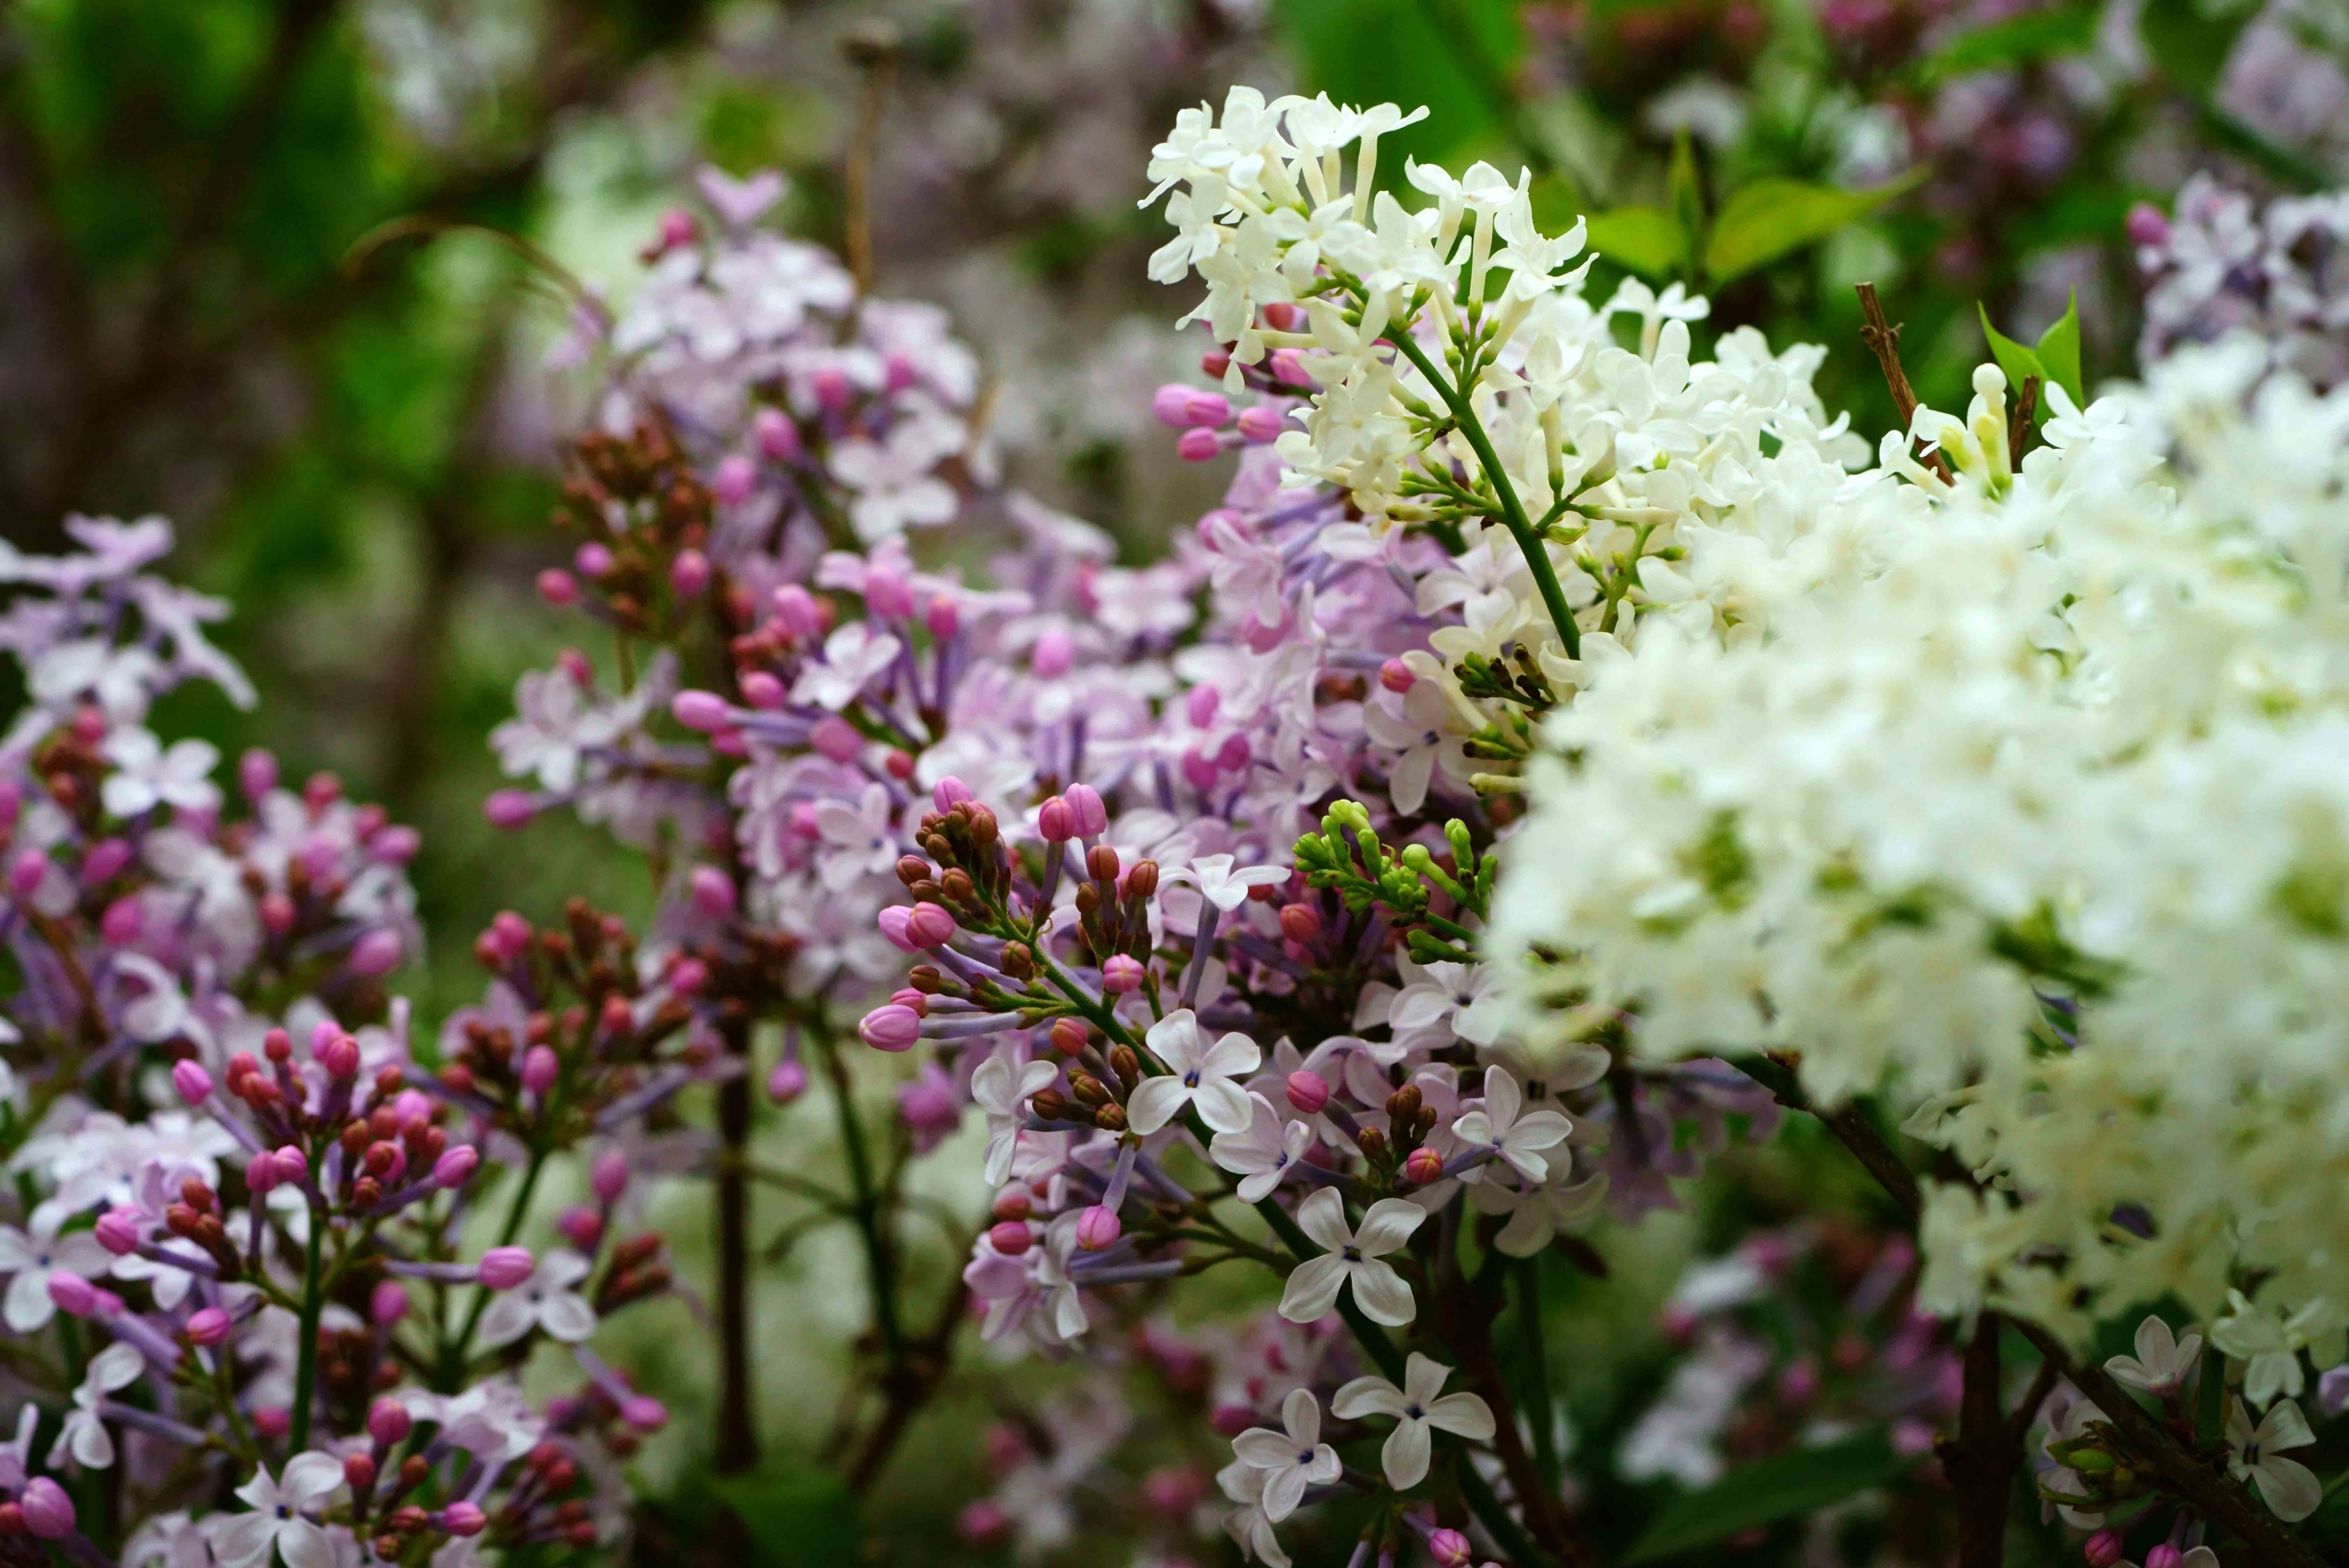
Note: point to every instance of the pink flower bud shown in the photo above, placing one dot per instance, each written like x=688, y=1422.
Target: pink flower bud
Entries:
x=341, y=1056
x=1308, y=1091
x=886, y=593
x=1010, y=1238
x=118, y=1231
x=1206, y=410
x=787, y=1083
x=376, y=952
x=462, y=1518
x=893, y=921
x=208, y=1327
x=394, y=845
x=1423, y=1166
x=1449, y=1548
x=983, y=1525
x=796, y=608
x=194, y=1084
x=272, y=1421
x=833, y=390
x=256, y=773
x=1056, y=651
x=689, y=573
x=1120, y=974
x=762, y=689
x=1198, y=446
x=1055, y=821
x=2147, y=225
x=122, y=921
x=645, y=1413
x=735, y=477
x=388, y=1304
x=1198, y=769
x=890, y=1028
x=610, y=1175
x=1231, y=1420
x=1260, y=426
x=454, y=1166
x=48, y=1512
x=1215, y=361
x=75, y=1296
x=503, y=1268
x=2103, y=1549
x=580, y=1226
x=688, y=976
x=677, y=228
x=359, y=1471
x=2164, y=1556
x=539, y=1067
x=592, y=559
x=704, y=710
x=558, y=588
x=929, y=926
x=1171, y=405
x=713, y=893
x=104, y=859
x=27, y=872
x=777, y=438
x=1013, y=1203
x=1287, y=368
x=1091, y=816
x=1300, y=923
x=1097, y=1228
x=1396, y=676
x=1201, y=706
x=835, y=739
x=943, y=616
x=389, y=1421
x=506, y=808
x=950, y=793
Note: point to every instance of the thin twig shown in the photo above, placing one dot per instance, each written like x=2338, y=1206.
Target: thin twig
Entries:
x=2018, y=434
x=872, y=45
x=1883, y=341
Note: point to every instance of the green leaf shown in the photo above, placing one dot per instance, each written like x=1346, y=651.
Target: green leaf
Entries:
x=2059, y=351
x=1769, y=218
x=2034, y=36
x=2191, y=39
x=1763, y=1494
x=1393, y=51
x=2012, y=358
x=797, y=1517
x=1647, y=240
x=1686, y=188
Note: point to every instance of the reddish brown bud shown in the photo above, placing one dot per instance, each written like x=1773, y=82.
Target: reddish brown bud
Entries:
x=1101, y=863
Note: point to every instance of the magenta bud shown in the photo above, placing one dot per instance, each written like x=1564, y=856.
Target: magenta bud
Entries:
x=118, y=1229
x=1300, y=923
x=272, y=1421
x=1206, y=410
x=1260, y=426
x=1449, y=1548
x=455, y=1165
x=1308, y=1091
x=787, y=1083
x=689, y=573
x=1097, y=1228
x=208, y=1327
x=835, y=740
x=2103, y=1549
x=677, y=227
x=893, y=921
x=503, y=1268
x=27, y=872
x=645, y=1413
x=929, y=926
x=890, y=1028
x=260, y=1174
x=610, y=1175
x=292, y=1165
x=688, y=976
x=762, y=690
x=539, y=1067
x=592, y=559
x=2165, y=1556
x=1396, y=676
x=462, y=1518
x=48, y=1512
x=1055, y=821
x=1198, y=446
x=75, y=1296
x=713, y=893
x=1231, y=1420
x=735, y=477
x=704, y=710
x=1201, y=706
x=256, y=773
x=388, y=1304
x=833, y=390
x=394, y=845
x=194, y=1084
x=1423, y=1166
x=943, y=616
x=777, y=438
x=509, y=808
x=1010, y=1238
x=1171, y=405
x=1091, y=816
x=797, y=609
x=1056, y=651
x=341, y=1056
x=886, y=593
x=1120, y=974
x=376, y=952
x=389, y=1421
x=104, y=859
x=278, y=913
x=558, y=588
x=2147, y=225
x=950, y=793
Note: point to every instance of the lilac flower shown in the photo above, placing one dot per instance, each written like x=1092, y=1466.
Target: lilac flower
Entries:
x=1004, y=1099
x=1262, y=1153
x=2255, y=1454
x=1418, y=1406
x=84, y=1435
x=1501, y=1124
x=859, y=839
x=146, y=775
x=853, y=656
x=33, y=1257
x=1352, y=1257
x=543, y=1300
x=1197, y=1076
x=278, y=1522
x=1292, y=1459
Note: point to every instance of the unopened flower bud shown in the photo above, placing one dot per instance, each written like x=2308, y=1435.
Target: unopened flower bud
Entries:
x=454, y=1166
x=787, y=1083
x=689, y=573
x=1097, y=1228
x=1449, y=1548
x=292, y=1165
x=762, y=690
x=1261, y=425
x=644, y=1413
x=1424, y=1166
x=462, y=1518
x=1102, y=863
x=504, y=809
x=713, y=893
x=1055, y=821
x=834, y=739
x=1142, y=882
x=389, y=1421
x=1125, y=1064
x=1068, y=1036
x=208, y=1326
x=610, y=1175
x=1308, y=1091
x=942, y=616
x=890, y=1028
x=1091, y=816
x=733, y=479
x=1198, y=446
x=376, y=952
x=118, y=1231
x=2103, y=1549
x=1120, y=974
x=2165, y=1555
x=1300, y=923
x=256, y=773
x=341, y=1056
x=503, y=1268
x=1402, y=1105
x=1050, y=1103
x=1013, y=1203
x=1396, y=676
x=539, y=1067
x=194, y=1084
x=1111, y=1119
x=1055, y=653
x=929, y=926
x=123, y=920
x=388, y=1304
x=558, y=588
x=777, y=439
x=73, y=1296
x=703, y=711
x=47, y=1511
x=1086, y=1089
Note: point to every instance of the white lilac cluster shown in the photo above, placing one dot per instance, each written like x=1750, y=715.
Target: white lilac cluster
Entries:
x=2028, y=812
x=2220, y=264
x=239, y=1269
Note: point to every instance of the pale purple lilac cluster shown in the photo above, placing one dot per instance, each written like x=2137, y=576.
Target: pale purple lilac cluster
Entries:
x=265, y=1289
x=2222, y=265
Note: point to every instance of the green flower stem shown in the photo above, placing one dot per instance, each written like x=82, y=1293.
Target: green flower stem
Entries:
x=452, y=1359
x=305, y=1349
x=1536, y=1371
x=866, y=1205
x=1513, y=512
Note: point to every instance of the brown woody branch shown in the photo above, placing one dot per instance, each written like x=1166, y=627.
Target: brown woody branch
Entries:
x=1883, y=341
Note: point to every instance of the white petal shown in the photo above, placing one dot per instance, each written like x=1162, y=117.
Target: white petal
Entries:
x=2291, y=1487
x=1155, y=1102
x=1312, y=1288
x=1464, y=1414
x=1404, y=1458
x=1387, y=1226
x=1379, y=1291
x=1322, y=1217
x=1368, y=1395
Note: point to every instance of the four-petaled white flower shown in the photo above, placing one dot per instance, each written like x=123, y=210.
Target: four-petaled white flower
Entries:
x=894, y=479
x=1462, y=999
x=2162, y=1361
x=852, y=656
x=2269, y=1344
x=546, y=1300
x=1246, y=1525
x=2288, y=1487
x=32, y=1256
x=1352, y=1256
x=84, y=1434
x=1420, y=1404
x=1221, y=885
x=1499, y=1126
x=1004, y=1098
x=1196, y=1073
x=1262, y=1153
x=1421, y=734
x=244, y=1540
x=145, y=776
x=858, y=840
x=1291, y=1461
